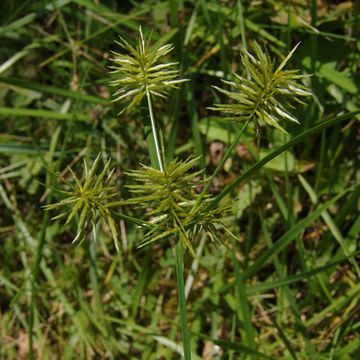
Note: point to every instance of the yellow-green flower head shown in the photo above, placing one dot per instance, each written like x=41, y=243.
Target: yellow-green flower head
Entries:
x=142, y=70
x=170, y=201
x=264, y=97
x=87, y=200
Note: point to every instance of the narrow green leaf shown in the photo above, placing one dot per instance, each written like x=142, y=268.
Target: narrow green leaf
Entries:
x=296, y=140
x=239, y=348
x=289, y=236
x=41, y=114
x=53, y=90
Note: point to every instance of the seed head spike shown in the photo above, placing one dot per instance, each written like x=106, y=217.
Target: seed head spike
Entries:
x=265, y=97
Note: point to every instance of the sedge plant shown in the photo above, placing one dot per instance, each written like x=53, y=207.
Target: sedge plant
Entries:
x=168, y=192
x=167, y=189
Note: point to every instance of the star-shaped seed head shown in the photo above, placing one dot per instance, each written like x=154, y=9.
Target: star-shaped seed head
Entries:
x=266, y=95
x=141, y=69
x=86, y=200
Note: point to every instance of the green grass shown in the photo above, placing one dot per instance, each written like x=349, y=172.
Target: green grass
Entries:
x=287, y=288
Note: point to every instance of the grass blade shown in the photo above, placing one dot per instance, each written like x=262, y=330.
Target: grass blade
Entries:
x=239, y=348
x=289, y=236
x=296, y=140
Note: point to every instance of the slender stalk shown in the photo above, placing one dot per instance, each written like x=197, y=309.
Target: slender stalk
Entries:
x=155, y=133
x=220, y=165
x=179, y=250
x=182, y=300
x=225, y=157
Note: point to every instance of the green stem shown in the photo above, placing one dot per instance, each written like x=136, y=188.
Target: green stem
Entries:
x=155, y=133
x=182, y=300
x=220, y=165
x=179, y=250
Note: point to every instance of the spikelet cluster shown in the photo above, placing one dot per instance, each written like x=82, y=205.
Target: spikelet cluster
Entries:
x=142, y=70
x=87, y=199
x=264, y=97
x=169, y=199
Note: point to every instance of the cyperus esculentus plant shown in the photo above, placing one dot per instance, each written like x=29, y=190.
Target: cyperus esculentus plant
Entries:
x=264, y=97
x=167, y=192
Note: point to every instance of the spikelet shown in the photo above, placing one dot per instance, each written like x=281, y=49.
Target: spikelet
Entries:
x=142, y=69
x=169, y=199
x=87, y=200
x=264, y=97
